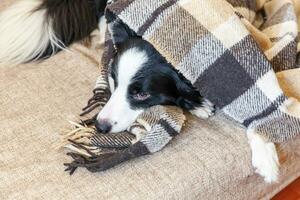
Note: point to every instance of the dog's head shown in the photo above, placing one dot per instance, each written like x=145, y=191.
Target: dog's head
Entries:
x=140, y=78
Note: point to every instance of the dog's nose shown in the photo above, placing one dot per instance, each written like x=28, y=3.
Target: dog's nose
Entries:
x=103, y=126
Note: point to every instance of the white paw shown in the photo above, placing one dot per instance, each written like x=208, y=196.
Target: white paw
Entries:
x=139, y=129
x=205, y=111
x=264, y=158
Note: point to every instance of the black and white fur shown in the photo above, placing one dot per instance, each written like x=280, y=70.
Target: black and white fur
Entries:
x=36, y=29
x=140, y=77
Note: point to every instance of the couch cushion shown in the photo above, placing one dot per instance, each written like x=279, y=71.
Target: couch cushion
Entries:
x=210, y=159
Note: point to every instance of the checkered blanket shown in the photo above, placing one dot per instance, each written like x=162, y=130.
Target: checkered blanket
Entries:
x=221, y=51
x=229, y=50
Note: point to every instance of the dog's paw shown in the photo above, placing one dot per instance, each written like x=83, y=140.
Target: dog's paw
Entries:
x=264, y=158
x=267, y=164
x=206, y=110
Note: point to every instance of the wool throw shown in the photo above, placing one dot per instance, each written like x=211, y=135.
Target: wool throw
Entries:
x=229, y=50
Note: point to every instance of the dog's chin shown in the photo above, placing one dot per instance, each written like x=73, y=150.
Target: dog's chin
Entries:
x=119, y=129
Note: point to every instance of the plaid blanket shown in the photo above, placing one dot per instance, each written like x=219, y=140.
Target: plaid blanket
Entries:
x=229, y=50
x=215, y=47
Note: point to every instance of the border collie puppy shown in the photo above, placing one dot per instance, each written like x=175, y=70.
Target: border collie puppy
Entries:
x=139, y=77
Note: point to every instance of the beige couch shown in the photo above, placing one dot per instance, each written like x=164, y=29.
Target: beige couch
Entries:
x=209, y=160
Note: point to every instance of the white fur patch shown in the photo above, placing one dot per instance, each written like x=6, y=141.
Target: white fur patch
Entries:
x=205, y=111
x=117, y=110
x=130, y=63
x=264, y=157
x=24, y=34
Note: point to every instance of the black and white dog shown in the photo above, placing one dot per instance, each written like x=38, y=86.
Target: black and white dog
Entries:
x=140, y=77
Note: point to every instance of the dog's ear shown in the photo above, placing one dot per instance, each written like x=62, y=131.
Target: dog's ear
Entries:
x=187, y=96
x=119, y=31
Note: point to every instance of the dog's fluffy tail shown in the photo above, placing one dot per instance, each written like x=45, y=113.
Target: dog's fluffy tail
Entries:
x=36, y=29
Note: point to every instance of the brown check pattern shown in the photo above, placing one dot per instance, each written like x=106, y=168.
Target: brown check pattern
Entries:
x=229, y=50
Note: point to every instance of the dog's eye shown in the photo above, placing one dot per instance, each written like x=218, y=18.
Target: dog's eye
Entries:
x=141, y=96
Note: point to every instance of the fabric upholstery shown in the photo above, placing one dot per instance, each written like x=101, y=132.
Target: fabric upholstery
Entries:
x=36, y=100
